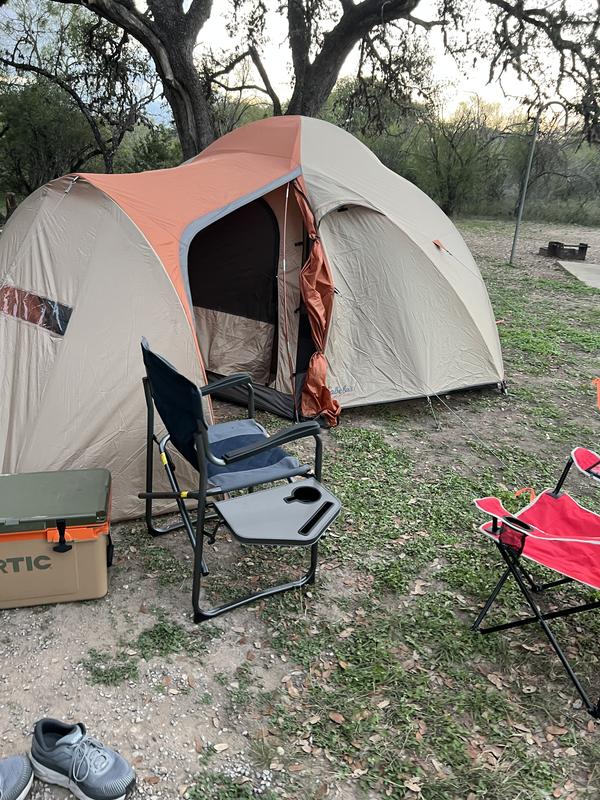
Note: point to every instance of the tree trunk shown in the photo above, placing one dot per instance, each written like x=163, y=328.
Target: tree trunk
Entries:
x=185, y=95
x=169, y=35
x=314, y=81
x=11, y=203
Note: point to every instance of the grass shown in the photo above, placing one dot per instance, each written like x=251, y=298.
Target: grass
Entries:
x=102, y=668
x=396, y=693
x=163, y=639
x=388, y=692
x=215, y=786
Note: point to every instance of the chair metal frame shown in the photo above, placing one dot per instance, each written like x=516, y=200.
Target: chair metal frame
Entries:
x=204, y=494
x=511, y=554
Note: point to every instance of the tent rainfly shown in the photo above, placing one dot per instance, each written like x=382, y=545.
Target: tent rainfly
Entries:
x=285, y=249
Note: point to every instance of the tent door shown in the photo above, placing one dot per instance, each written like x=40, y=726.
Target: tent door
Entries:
x=232, y=267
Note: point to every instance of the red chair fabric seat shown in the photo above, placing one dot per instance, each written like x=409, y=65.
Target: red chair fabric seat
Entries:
x=565, y=535
x=556, y=532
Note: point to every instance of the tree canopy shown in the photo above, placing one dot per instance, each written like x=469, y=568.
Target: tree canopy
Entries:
x=42, y=135
x=553, y=43
x=98, y=66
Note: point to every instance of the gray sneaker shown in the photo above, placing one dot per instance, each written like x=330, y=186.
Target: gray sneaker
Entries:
x=64, y=755
x=16, y=777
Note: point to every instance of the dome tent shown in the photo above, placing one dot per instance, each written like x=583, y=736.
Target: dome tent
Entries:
x=285, y=249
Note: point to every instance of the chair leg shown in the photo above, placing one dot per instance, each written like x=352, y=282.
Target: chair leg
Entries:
x=514, y=569
x=200, y=615
x=490, y=601
x=153, y=530
x=187, y=523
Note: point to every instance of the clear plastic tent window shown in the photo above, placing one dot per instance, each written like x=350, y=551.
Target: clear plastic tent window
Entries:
x=48, y=314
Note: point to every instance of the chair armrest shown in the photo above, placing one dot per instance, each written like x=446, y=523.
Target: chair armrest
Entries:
x=239, y=379
x=587, y=462
x=291, y=434
x=493, y=507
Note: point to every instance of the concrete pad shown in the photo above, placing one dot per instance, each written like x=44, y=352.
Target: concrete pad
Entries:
x=584, y=271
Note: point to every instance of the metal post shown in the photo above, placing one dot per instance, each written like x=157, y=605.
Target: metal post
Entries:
x=536, y=128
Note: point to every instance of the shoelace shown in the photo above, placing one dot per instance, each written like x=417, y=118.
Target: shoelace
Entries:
x=89, y=756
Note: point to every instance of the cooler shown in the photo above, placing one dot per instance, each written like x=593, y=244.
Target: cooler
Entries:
x=55, y=541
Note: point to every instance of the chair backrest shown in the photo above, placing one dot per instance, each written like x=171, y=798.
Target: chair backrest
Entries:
x=178, y=402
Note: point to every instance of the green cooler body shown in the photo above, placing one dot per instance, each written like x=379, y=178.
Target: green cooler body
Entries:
x=55, y=541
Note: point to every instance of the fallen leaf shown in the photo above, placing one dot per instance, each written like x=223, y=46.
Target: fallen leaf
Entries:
x=336, y=717
x=199, y=745
x=495, y=679
x=439, y=768
x=413, y=785
x=383, y=704
x=555, y=730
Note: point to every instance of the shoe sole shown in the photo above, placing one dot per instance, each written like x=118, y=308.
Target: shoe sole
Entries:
x=26, y=790
x=48, y=775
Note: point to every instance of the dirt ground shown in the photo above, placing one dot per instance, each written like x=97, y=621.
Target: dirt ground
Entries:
x=224, y=710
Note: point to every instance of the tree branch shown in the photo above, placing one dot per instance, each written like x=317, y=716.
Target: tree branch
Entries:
x=225, y=70
x=125, y=15
x=269, y=90
x=65, y=86
x=427, y=24
x=198, y=14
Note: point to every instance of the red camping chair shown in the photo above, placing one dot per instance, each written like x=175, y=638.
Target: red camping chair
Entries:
x=558, y=533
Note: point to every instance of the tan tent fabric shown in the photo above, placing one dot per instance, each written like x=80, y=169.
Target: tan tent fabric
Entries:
x=76, y=401
x=89, y=264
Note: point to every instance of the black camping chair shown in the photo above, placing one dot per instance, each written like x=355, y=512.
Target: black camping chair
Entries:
x=228, y=457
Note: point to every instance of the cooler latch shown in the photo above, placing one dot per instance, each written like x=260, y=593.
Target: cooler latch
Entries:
x=62, y=546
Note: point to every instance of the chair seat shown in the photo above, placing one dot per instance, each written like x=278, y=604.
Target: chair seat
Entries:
x=562, y=523
x=271, y=465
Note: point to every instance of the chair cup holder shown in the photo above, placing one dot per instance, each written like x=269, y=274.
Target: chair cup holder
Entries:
x=303, y=494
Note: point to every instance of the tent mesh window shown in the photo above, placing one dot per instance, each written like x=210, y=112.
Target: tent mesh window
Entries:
x=233, y=263
x=232, y=267
x=37, y=310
